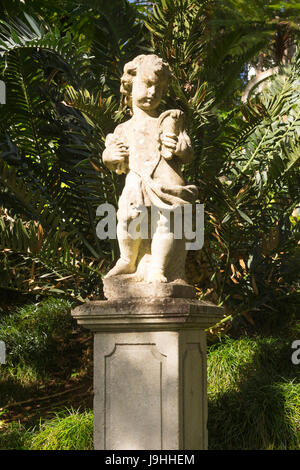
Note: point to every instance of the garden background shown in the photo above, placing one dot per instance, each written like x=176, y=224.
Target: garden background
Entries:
x=235, y=71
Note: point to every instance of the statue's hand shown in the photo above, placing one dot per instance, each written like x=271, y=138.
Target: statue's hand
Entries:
x=116, y=156
x=119, y=152
x=169, y=142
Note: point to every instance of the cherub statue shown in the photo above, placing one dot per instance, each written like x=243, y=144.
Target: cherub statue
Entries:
x=150, y=148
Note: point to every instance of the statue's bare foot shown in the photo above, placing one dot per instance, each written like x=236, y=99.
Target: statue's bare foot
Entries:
x=157, y=276
x=139, y=277
x=121, y=267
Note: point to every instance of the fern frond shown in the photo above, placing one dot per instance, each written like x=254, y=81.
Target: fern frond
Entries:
x=17, y=35
x=98, y=111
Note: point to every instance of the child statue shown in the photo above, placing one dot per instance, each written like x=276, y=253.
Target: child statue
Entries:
x=150, y=148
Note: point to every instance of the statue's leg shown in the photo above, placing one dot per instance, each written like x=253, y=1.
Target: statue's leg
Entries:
x=176, y=266
x=161, y=249
x=127, y=213
x=129, y=249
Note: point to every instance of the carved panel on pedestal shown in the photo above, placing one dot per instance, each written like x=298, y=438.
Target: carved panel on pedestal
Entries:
x=133, y=397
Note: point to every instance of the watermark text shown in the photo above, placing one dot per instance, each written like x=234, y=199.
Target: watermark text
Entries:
x=2, y=352
x=296, y=354
x=184, y=222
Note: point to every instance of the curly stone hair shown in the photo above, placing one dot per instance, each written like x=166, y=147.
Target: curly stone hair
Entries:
x=157, y=65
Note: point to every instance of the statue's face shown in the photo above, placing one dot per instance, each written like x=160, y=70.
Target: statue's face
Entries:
x=147, y=90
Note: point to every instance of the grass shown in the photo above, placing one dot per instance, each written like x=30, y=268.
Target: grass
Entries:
x=254, y=395
x=35, y=336
x=31, y=333
x=254, y=402
x=68, y=430
x=15, y=436
x=46, y=354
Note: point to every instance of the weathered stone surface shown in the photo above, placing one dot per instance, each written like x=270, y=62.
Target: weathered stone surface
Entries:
x=125, y=287
x=149, y=371
x=150, y=390
x=150, y=149
x=147, y=314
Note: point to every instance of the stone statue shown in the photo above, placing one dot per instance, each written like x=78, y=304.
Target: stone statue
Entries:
x=150, y=148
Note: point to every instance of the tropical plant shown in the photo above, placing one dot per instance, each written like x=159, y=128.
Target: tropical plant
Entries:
x=250, y=209
x=66, y=93
x=49, y=188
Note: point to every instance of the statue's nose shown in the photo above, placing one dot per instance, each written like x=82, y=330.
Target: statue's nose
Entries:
x=151, y=91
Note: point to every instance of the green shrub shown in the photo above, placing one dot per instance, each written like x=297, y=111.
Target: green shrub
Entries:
x=254, y=395
x=69, y=430
x=31, y=334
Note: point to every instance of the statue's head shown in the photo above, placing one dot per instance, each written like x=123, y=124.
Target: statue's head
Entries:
x=144, y=81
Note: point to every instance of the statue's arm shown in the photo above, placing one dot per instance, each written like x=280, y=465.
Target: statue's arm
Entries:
x=108, y=153
x=115, y=154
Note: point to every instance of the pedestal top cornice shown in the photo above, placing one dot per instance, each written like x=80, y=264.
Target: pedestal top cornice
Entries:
x=147, y=314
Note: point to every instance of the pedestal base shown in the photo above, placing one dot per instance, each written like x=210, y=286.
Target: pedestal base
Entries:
x=125, y=287
x=149, y=372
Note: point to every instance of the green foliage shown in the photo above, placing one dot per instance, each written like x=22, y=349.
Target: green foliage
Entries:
x=253, y=392
x=254, y=395
x=40, y=262
x=249, y=209
x=247, y=156
x=63, y=94
x=33, y=334
x=18, y=34
x=48, y=179
x=15, y=437
x=69, y=430
x=61, y=64
x=207, y=41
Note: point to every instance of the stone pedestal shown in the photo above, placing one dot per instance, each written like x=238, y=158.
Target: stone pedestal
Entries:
x=149, y=371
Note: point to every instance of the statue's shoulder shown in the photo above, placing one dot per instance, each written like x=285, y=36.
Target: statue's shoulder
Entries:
x=122, y=129
x=120, y=134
